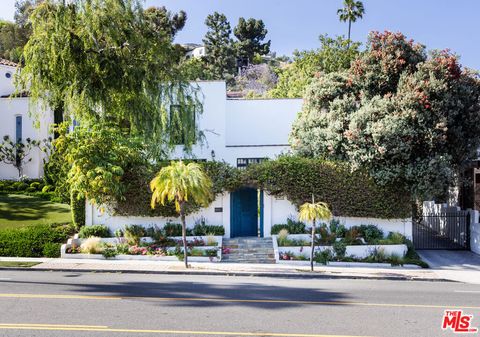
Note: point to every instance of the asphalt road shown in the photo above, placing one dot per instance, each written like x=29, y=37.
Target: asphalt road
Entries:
x=95, y=304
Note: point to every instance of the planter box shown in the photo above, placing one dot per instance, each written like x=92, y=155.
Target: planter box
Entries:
x=126, y=257
x=76, y=241
x=359, y=251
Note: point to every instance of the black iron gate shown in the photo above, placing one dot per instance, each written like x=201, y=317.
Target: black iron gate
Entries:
x=446, y=230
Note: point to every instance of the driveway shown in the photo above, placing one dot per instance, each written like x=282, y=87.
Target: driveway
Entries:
x=458, y=265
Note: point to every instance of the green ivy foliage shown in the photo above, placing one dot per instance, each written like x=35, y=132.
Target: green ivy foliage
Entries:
x=77, y=205
x=347, y=192
x=137, y=195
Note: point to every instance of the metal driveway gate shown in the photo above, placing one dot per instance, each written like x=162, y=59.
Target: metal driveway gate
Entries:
x=446, y=230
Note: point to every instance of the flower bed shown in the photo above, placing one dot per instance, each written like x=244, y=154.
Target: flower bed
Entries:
x=200, y=248
x=299, y=251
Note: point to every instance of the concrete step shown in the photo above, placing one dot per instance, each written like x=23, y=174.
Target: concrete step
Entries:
x=249, y=250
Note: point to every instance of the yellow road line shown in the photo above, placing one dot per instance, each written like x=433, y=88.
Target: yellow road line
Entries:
x=233, y=300
x=36, y=325
x=173, y=332
x=59, y=296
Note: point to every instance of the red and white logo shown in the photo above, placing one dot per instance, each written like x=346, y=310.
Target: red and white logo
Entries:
x=458, y=322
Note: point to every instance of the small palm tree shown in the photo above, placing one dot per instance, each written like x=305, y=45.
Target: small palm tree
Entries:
x=182, y=184
x=312, y=212
x=351, y=11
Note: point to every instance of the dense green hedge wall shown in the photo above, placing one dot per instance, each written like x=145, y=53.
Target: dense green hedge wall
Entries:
x=77, y=206
x=34, y=241
x=136, y=201
x=347, y=192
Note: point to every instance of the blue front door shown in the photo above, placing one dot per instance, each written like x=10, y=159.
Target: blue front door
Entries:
x=244, y=212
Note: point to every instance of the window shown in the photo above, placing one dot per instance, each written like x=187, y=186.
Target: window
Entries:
x=182, y=124
x=18, y=128
x=244, y=162
x=8, y=74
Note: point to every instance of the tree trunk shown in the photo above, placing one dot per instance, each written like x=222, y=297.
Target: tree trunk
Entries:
x=349, y=28
x=312, y=246
x=184, y=233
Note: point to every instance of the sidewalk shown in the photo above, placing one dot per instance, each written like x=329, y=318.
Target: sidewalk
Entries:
x=231, y=269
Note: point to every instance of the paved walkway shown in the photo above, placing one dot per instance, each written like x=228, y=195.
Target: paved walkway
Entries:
x=205, y=268
x=457, y=265
x=446, y=265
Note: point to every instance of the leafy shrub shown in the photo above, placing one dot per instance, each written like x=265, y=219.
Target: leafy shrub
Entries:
x=175, y=229
x=203, y=229
x=352, y=236
x=370, y=233
x=30, y=189
x=36, y=185
x=122, y=248
x=292, y=226
x=340, y=248
x=92, y=245
x=323, y=256
x=109, y=251
x=52, y=249
x=101, y=231
x=77, y=205
x=31, y=241
x=395, y=238
x=133, y=234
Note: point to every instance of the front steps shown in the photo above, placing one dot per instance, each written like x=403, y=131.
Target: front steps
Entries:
x=248, y=250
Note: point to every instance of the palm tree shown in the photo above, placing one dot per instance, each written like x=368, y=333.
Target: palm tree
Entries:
x=182, y=184
x=351, y=11
x=312, y=212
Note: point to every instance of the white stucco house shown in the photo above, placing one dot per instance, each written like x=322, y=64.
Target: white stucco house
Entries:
x=16, y=122
x=237, y=131
x=241, y=132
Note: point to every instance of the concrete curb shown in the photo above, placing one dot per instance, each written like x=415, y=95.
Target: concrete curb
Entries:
x=315, y=275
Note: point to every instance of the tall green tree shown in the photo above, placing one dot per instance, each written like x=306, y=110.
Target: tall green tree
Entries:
x=108, y=60
x=351, y=11
x=411, y=120
x=220, y=56
x=334, y=54
x=181, y=184
x=313, y=211
x=14, y=35
x=250, y=34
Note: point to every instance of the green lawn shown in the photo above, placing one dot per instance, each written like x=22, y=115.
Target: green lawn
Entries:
x=17, y=210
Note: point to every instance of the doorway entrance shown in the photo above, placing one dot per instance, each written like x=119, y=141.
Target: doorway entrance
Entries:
x=246, y=212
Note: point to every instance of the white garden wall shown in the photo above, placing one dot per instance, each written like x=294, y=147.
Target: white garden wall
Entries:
x=276, y=211
x=279, y=209
x=95, y=216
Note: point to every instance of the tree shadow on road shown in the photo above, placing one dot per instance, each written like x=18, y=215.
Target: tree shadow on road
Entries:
x=204, y=294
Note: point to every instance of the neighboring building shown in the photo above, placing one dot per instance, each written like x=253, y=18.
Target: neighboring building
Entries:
x=17, y=123
x=194, y=50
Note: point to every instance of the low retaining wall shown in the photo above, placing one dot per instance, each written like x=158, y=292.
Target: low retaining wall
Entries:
x=77, y=242
x=358, y=251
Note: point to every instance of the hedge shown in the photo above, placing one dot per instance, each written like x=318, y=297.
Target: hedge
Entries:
x=34, y=241
x=347, y=192
x=136, y=201
x=77, y=206
x=32, y=187
x=100, y=231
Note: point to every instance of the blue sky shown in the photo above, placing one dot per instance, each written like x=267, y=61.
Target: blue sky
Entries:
x=296, y=24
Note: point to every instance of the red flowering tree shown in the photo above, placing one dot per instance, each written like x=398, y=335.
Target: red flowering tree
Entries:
x=412, y=120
